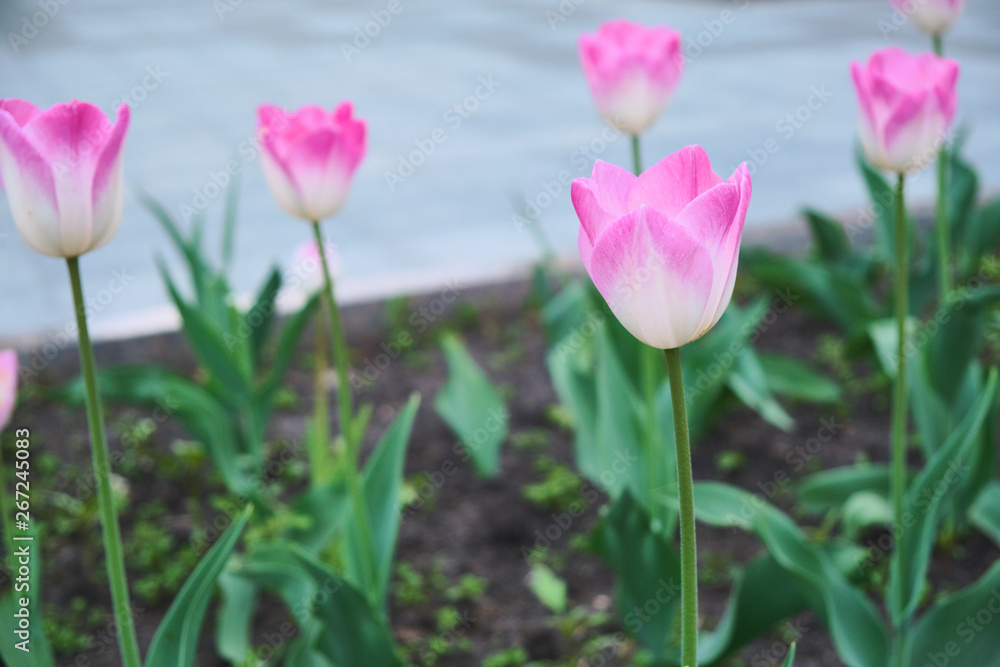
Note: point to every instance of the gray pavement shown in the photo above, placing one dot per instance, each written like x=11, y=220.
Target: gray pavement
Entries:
x=500, y=81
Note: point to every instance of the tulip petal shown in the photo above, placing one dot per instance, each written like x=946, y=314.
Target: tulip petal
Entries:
x=8, y=385
x=599, y=201
x=673, y=182
x=21, y=110
x=30, y=187
x=108, y=193
x=655, y=277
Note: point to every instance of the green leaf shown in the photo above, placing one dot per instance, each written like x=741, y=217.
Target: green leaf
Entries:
x=831, y=488
x=291, y=334
x=952, y=631
x=883, y=200
x=855, y=624
x=789, y=377
x=829, y=238
x=196, y=265
x=749, y=383
x=985, y=512
x=383, y=479
x=39, y=650
x=234, y=624
x=790, y=659
x=324, y=508
x=259, y=318
x=647, y=571
x=336, y=617
x=173, y=397
x=763, y=595
x=176, y=640
x=229, y=222
x=864, y=510
x=212, y=352
x=547, y=587
x=917, y=528
x=471, y=406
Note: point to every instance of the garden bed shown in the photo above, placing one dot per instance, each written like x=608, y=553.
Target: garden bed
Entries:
x=463, y=549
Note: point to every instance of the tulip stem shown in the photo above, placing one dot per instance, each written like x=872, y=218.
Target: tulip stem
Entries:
x=685, y=492
x=113, y=551
x=353, y=443
x=938, y=44
x=899, y=408
x=319, y=447
x=636, y=155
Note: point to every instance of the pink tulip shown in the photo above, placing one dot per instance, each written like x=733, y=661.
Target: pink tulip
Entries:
x=931, y=16
x=8, y=385
x=62, y=170
x=632, y=71
x=662, y=247
x=310, y=156
x=907, y=107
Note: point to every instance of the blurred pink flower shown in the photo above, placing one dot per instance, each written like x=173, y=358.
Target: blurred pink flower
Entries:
x=662, y=248
x=8, y=385
x=310, y=156
x=931, y=16
x=907, y=107
x=309, y=269
x=62, y=170
x=632, y=71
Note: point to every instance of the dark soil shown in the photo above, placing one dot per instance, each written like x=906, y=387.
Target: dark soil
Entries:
x=468, y=525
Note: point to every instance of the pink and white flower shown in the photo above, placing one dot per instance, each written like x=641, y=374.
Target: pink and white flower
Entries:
x=62, y=171
x=662, y=248
x=632, y=71
x=907, y=104
x=8, y=386
x=309, y=266
x=309, y=157
x=931, y=16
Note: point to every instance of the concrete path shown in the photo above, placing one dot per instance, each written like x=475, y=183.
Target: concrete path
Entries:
x=496, y=83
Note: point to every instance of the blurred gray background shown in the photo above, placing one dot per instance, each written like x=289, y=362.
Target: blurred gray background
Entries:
x=761, y=74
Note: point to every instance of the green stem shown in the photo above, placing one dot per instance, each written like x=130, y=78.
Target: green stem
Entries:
x=362, y=523
x=636, y=155
x=938, y=44
x=943, y=231
x=113, y=551
x=899, y=408
x=319, y=453
x=685, y=492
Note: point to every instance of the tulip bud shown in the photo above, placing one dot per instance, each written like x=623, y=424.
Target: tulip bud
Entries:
x=931, y=16
x=632, y=71
x=62, y=170
x=907, y=107
x=309, y=157
x=309, y=266
x=8, y=385
x=662, y=247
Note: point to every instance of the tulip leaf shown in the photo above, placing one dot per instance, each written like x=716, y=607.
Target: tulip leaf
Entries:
x=790, y=658
x=830, y=489
x=940, y=479
x=829, y=237
x=291, y=334
x=176, y=640
x=174, y=397
x=472, y=407
x=234, y=621
x=547, y=587
x=383, y=479
x=953, y=631
x=855, y=624
x=335, y=619
x=985, y=512
x=789, y=377
x=647, y=569
x=259, y=318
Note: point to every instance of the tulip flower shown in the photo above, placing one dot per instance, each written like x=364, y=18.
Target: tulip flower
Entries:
x=8, y=386
x=62, y=170
x=662, y=247
x=933, y=17
x=632, y=71
x=309, y=265
x=907, y=107
x=309, y=157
